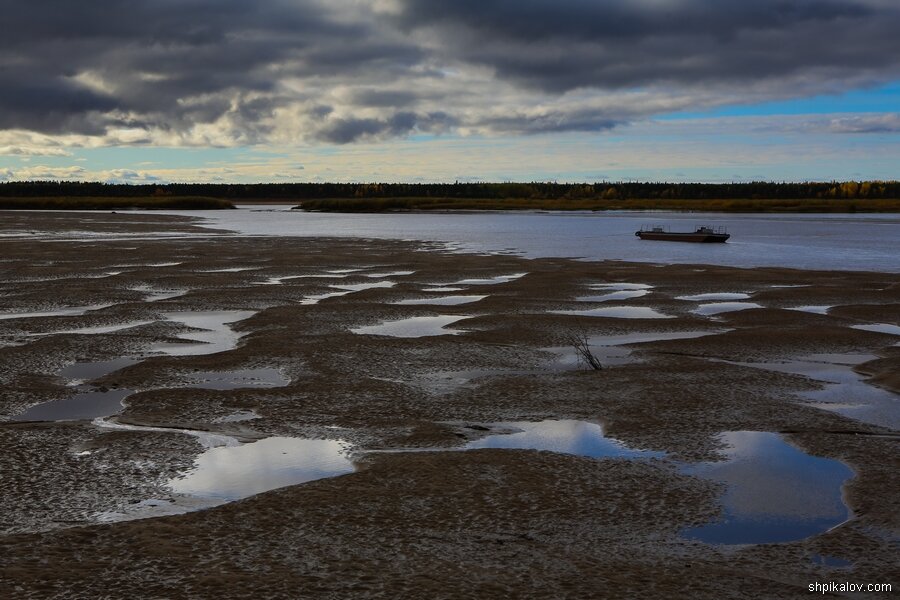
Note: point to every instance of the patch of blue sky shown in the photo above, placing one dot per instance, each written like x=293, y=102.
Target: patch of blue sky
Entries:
x=875, y=100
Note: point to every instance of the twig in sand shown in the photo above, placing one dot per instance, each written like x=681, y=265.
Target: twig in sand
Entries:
x=579, y=341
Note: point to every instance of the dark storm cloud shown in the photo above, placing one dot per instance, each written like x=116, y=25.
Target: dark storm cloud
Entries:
x=343, y=71
x=344, y=131
x=559, y=45
x=166, y=60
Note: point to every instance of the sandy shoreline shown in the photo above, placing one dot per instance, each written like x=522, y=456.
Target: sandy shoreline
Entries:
x=485, y=523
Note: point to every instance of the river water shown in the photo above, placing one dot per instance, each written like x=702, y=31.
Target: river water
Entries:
x=864, y=242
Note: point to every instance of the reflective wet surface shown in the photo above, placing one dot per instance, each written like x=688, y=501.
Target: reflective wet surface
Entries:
x=715, y=296
x=413, y=327
x=844, y=390
x=620, y=295
x=84, y=403
x=620, y=287
x=816, y=309
x=490, y=280
x=104, y=328
x=230, y=473
x=389, y=274
x=87, y=371
x=231, y=380
x=442, y=301
x=880, y=328
x=358, y=287
x=617, y=312
x=156, y=294
x=215, y=335
x=774, y=492
x=716, y=308
x=73, y=311
x=567, y=437
x=316, y=298
x=610, y=350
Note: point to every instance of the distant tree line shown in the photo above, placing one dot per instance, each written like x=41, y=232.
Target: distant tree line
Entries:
x=756, y=190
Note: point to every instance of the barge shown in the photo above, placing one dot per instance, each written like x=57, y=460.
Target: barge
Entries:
x=703, y=234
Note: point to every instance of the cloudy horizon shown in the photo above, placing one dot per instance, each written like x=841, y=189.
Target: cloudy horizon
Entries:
x=415, y=90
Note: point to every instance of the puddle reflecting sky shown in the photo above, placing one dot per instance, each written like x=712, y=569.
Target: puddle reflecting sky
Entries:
x=845, y=391
x=775, y=492
x=216, y=336
x=617, y=312
x=880, y=328
x=103, y=328
x=232, y=380
x=358, y=287
x=87, y=371
x=816, y=309
x=413, y=327
x=316, y=298
x=619, y=287
x=567, y=437
x=84, y=403
x=442, y=301
x=620, y=295
x=388, y=274
x=490, y=280
x=715, y=296
x=716, y=308
x=73, y=311
x=231, y=473
x=609, y=349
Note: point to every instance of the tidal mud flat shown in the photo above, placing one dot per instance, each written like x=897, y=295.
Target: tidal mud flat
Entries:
x=414, y=422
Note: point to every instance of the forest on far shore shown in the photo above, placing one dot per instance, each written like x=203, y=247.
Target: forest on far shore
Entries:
x=759, y=196
x=756, y=190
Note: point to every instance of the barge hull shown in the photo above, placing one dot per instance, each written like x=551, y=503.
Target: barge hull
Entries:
x=703, y=238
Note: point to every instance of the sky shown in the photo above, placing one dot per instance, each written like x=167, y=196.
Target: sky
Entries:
x=154, y=91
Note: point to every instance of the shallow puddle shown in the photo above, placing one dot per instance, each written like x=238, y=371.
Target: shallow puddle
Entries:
x=388, y=274
x=155, y=294
x=413, y=327
x=566, y=437
x=232, y=380
x=230, y=270
x=717, y=308
x=620, y=287
x=215, y=336
x=817, y=309
x=441, y=289
x=239, y=417
x=610, y=350
x=845, y=391
x=620, y=295
x=231, y=473
x=490, y=280
x=84, y=403
x=103, y=328
x=358, y=287
x=617, y=312
x=88, y=371
x=879, y=328
x=715, y=296
x=316, y=298
x=775, y=492
x=73, y=311
x=442, y=301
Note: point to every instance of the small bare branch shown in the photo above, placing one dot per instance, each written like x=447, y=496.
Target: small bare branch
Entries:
x=579, y=341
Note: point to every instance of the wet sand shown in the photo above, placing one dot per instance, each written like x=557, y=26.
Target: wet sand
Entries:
x=485, y=523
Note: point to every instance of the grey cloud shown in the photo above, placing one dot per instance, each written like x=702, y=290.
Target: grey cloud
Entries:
x=343, y=130
x=559, y=45
x=347, y=72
